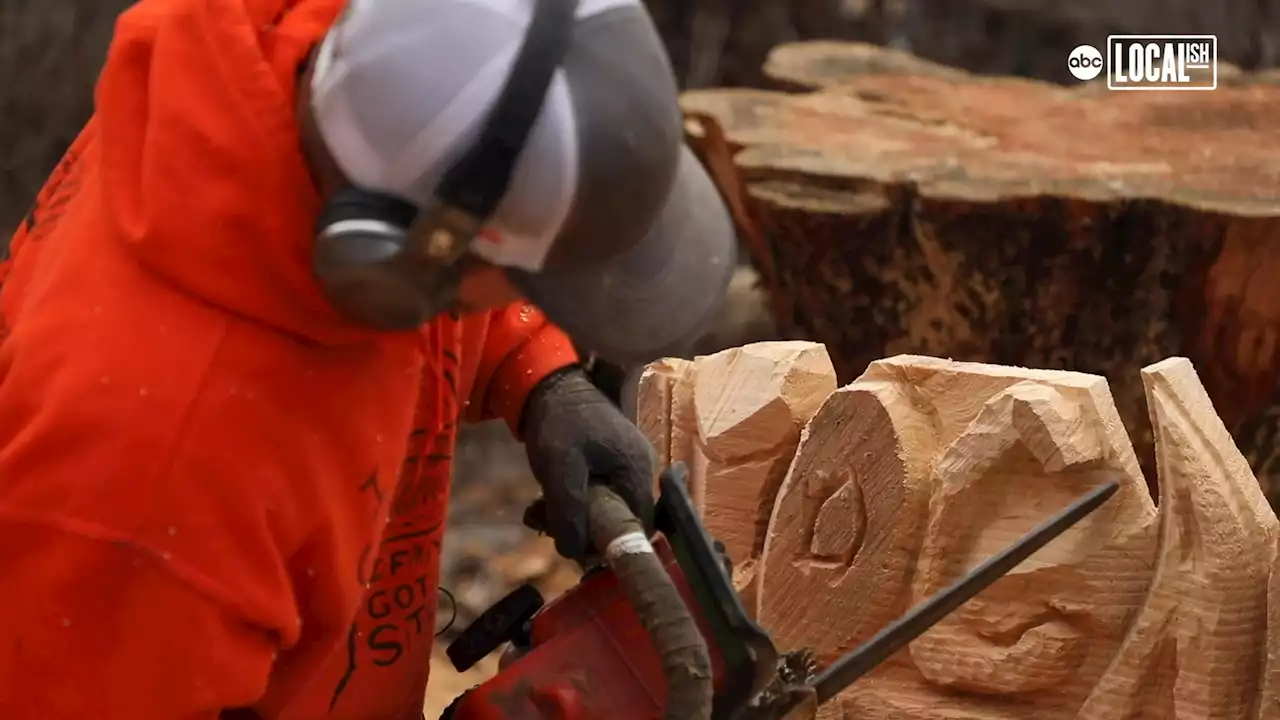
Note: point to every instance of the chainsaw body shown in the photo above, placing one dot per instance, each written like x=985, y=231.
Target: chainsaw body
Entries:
x=586, y=655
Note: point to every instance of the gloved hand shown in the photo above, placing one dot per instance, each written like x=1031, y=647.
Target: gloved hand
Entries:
x=574, y=436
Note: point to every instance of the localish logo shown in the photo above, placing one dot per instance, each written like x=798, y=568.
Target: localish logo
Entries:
x=1162, y=62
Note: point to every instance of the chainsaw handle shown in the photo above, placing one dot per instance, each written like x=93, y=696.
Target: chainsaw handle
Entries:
x=686, y=662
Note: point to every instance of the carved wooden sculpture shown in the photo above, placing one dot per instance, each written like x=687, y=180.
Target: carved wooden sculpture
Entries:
x=735, y=418
x=921, y=468
x=1269, y=706
x=1197, y=648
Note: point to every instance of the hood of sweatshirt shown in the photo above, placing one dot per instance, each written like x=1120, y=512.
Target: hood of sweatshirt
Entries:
x=201, y=155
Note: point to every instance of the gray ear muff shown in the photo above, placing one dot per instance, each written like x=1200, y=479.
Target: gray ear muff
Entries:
x=361, y=260
x=368, y=276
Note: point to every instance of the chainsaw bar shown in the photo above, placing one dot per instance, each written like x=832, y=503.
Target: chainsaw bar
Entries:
x=798, y=681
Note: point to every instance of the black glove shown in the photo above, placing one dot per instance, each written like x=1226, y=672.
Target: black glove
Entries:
x=573, y=436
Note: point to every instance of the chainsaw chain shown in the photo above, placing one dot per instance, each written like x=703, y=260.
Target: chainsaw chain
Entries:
x=796, y=672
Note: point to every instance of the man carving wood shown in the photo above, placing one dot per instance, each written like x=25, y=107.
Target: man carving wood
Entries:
x=276, y=269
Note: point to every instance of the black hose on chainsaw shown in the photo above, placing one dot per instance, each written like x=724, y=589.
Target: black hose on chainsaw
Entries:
x=686, y=661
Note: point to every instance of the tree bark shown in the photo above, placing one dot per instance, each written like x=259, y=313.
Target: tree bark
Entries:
x=1015, y=222
x=50, y=55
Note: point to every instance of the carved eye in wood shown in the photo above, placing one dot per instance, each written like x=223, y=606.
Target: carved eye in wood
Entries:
x=840, y=520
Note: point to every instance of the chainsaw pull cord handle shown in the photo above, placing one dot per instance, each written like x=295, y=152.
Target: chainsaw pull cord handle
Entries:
x=686, y=662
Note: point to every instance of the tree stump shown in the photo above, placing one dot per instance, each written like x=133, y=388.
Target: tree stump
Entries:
x=1015, y=222
x=815, y=64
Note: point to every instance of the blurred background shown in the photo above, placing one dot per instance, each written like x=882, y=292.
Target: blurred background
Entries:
x=50, y=51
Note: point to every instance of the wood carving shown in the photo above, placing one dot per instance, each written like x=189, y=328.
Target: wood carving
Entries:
x=656, y=407
x=1197, y=647
x=902, y=207
x=921, y=468
x=734, y=418
x=993, y=451
x=1269, y=706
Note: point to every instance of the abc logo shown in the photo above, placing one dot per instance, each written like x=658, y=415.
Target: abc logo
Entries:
x=1085, y=62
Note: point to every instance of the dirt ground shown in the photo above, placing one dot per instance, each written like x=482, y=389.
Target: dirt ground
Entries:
x=487, y=551
x=446, y=684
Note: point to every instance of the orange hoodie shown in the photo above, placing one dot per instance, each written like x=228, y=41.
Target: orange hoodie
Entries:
x=214, y=492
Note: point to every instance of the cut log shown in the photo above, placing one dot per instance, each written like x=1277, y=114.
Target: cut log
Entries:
x=818, y=64
x=947, y=463
x=1019, y=223
x=734, y=418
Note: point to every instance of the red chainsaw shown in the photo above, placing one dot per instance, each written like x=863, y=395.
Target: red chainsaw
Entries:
x=657, y=631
